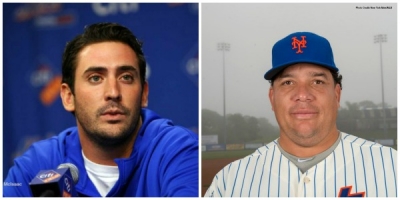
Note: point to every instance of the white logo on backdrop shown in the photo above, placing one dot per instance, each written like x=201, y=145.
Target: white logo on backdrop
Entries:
x=105, y=9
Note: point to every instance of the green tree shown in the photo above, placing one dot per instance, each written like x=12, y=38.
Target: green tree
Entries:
x=212, y=123
x=367, y=104
x=253, y=128
x=239, y=128
x=267, y=132
x=236, y=128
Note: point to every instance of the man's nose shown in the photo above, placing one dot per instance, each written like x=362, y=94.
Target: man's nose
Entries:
x=112, y=90
x=303, y=93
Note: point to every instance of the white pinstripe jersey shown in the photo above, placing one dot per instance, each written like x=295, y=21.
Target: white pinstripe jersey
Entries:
x=356, y=167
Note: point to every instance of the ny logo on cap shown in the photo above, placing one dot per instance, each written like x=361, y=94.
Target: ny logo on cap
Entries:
x=299, y=44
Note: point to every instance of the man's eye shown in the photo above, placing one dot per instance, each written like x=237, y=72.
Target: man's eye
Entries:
x=319, y=82
x=287, y=83
x=94, y=78
x=127, y=77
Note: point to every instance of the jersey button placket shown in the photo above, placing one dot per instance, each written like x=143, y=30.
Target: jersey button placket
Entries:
x=306, y=180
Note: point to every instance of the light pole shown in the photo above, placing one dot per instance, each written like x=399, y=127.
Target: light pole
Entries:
x=380, y=39
x=223, y=46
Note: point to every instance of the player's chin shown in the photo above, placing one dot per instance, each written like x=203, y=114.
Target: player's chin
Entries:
x=306, y=129
x=116, y=131
x=113, y=127
x=306, y=142
x=306, y=135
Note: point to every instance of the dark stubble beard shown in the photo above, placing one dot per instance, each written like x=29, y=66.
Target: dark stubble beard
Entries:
x=101, y=138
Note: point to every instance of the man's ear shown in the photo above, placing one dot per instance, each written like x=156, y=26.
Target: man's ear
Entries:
x=145, y=94
x=338, y=93
x=271, y=97
x=67, y=98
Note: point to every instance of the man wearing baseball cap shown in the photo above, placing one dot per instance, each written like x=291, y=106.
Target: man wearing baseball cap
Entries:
x=312, y=157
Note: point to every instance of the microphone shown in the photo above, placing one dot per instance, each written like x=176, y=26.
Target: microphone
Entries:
x=58, y=182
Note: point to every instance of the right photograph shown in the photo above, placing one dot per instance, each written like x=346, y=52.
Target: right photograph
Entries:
x=299, y=100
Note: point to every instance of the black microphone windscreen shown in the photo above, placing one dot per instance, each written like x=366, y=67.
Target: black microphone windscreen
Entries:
x=48, y=193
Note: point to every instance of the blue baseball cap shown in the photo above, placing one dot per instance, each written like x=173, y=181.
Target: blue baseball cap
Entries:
x=301, y=47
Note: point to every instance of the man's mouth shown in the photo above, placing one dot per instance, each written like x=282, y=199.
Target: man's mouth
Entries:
x=113, y=115
x=304, y=114
x=113, y=112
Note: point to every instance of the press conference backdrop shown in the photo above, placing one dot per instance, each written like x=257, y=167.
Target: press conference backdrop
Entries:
x=34, y=37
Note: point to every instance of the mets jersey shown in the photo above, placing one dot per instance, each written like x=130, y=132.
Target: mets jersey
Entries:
x=163, y=163
x=356, y=168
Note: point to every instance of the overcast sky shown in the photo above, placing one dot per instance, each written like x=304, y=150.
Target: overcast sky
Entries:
x=253, y=28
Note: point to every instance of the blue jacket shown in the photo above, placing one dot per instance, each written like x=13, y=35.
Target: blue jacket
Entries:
x=164, y=162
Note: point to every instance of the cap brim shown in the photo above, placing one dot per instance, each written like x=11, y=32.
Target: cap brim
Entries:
x=274, y=71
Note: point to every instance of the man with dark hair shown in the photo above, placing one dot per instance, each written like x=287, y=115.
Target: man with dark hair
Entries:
x=119, y=147
x=311, y=158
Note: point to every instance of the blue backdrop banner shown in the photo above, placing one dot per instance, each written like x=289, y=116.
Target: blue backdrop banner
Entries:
x=34, y=37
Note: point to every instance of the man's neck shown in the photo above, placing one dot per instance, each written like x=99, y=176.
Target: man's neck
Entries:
x=307, y=151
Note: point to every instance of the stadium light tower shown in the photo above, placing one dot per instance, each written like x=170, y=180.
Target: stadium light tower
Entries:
x=222, y=46
x=380, y=39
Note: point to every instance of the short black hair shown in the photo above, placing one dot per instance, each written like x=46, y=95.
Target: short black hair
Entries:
x=96, y=33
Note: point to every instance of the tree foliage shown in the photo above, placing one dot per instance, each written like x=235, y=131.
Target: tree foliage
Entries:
x=239, y=128
x=243, y=129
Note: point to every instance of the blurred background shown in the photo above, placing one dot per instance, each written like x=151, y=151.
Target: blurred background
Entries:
x=34, y=37
x=237, y=40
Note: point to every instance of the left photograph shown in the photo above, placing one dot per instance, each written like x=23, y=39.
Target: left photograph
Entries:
x=100, y=100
